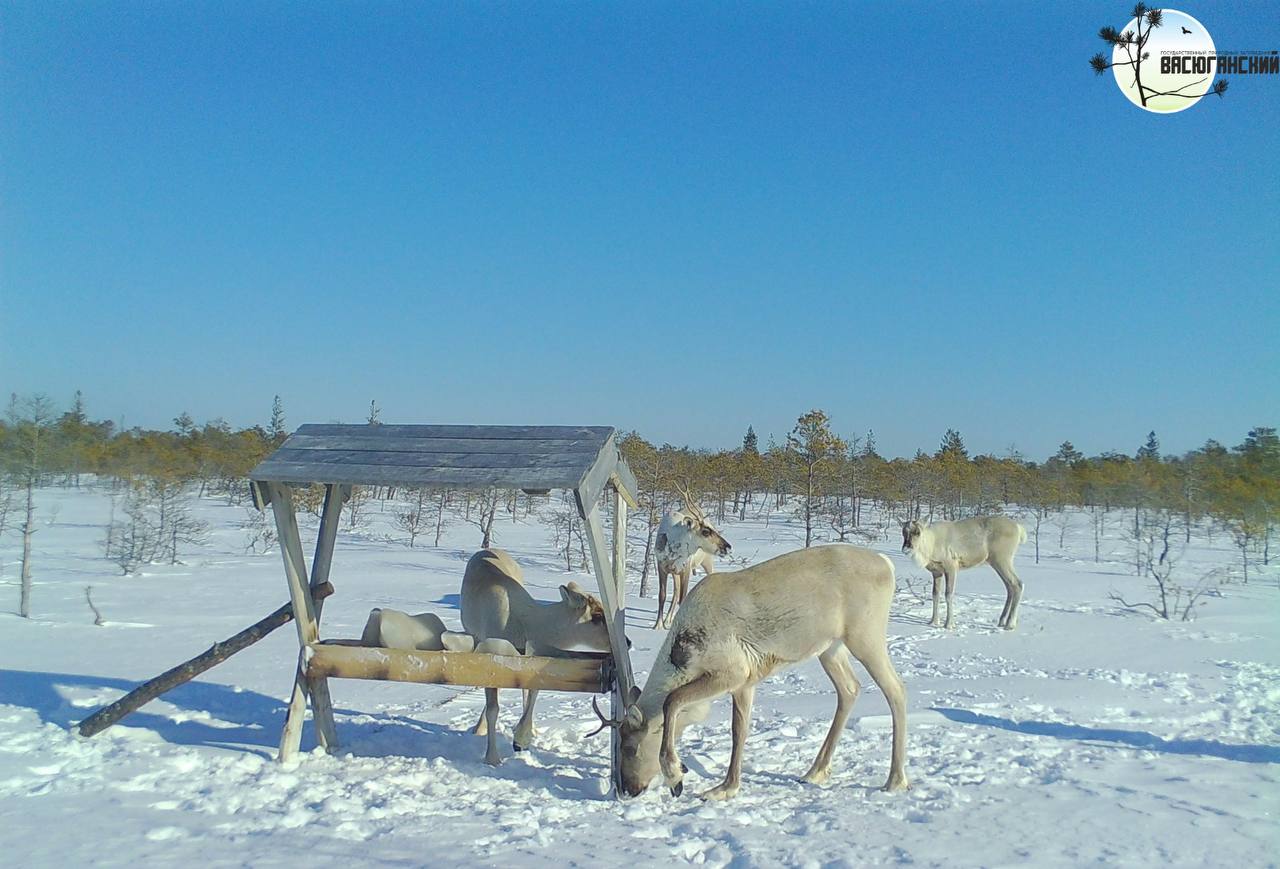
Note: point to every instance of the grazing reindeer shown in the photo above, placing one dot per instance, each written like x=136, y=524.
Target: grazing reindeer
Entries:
x=496, y=606
x=685, y=541
x=737, y=628
x=946, y=547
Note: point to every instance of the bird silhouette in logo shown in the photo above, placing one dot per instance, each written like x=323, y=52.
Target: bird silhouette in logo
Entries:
x=1185, y=30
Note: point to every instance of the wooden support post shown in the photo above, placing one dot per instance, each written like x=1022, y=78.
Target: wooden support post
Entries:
x=620, y=619
x=305, y=617
x=321, y=704
x=188, y=670
x=615, y=618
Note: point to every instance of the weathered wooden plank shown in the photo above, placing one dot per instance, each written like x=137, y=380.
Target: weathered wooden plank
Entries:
x=596, y=432
x=442, y=445
x=372, y=475
x=618, y=624
x=626, y=481
x=613, y=602
x=458, y=668
x=188, y=670
x=304, y=612
x=591, y=486
x=578, y=461
x=318, y=688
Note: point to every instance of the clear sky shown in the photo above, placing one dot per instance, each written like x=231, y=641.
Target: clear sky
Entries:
x=681, y=218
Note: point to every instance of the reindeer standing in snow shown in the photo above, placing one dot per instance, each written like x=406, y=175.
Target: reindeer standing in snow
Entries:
x=685, y=541
x=946, y=547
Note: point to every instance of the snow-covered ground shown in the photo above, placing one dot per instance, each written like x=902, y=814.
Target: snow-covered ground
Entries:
x=1091, y=734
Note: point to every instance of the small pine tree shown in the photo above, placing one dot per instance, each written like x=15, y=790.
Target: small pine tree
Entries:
x=751, y=443
x=1068, y=454
x=953, y=446
x=276, y=429
x=374, y=413
x=869, y=445
x=1151, y=449
x=185, y=424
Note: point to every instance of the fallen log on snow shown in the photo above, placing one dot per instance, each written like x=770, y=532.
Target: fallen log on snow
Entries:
x=188, y=670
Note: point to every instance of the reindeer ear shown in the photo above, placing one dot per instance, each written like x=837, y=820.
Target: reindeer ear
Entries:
x=571, y=596
x=634, y=717
x=687, y=523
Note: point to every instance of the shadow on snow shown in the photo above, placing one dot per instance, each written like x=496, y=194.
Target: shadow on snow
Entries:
x=1129, y=738
x=249, y=721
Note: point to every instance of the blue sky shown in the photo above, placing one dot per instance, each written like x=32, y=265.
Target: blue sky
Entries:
x=679, y=218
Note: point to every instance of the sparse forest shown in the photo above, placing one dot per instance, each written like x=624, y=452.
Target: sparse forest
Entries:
x=835, y=484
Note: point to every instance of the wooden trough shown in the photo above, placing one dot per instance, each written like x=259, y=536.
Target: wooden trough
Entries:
x=585, y=460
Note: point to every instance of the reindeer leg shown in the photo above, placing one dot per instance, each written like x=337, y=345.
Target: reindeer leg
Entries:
x=951, y=593
x=675, y=599
x=875, y=658
x=936, y=620
x=704, y=687
x=742, y=701
x=491, y=755
x=1013, y=594
x=835, y=660
x=680, y=588
x=662, y=598
x=523, y=736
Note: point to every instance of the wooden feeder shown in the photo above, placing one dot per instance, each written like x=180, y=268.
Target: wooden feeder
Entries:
x=538, y=458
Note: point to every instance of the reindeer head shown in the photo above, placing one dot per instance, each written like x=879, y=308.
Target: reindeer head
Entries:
x=583, y=625
x=910, y=534
x=701, y=535
x=640, y=742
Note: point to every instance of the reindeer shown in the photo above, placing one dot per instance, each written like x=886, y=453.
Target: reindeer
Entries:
x=496, y=606
x=946, y=547
x=685, y=541
x=393, y=629
x=737, y=628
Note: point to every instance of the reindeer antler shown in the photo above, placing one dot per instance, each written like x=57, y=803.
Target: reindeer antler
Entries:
x=604, y=722
x=690, y=503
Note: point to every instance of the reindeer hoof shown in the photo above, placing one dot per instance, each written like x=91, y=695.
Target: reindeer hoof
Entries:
x=515, y=746
x=896, y=783
x=684, y=767
x=816, y=776
x=721, y=792
x=677, y=789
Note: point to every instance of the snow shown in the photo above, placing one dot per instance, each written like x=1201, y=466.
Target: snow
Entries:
x=1091, y=734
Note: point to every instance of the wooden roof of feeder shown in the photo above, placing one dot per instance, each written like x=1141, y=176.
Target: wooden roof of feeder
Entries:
x=582, y=458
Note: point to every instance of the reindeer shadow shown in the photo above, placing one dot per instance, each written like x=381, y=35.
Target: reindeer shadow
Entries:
x=1125, y=738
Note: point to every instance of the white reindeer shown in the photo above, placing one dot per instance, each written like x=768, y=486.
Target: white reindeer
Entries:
x=685, y=541
x=393, y=629
x=496, y=606
x=946, y=547
x=736, y=628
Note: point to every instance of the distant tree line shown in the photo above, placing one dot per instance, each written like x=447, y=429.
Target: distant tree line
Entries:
x=839, y=487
